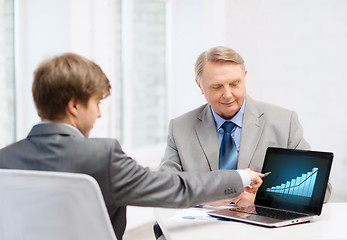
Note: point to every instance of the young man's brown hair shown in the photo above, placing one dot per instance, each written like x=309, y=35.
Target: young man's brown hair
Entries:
x=62, y=78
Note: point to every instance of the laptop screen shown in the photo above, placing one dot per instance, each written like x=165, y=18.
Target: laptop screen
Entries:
x=297, y=182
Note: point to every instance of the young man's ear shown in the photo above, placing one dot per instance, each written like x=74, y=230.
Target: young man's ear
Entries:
x=72, y=107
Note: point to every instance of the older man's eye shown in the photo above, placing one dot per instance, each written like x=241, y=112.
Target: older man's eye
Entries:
x=235, y=84
x=216, y=86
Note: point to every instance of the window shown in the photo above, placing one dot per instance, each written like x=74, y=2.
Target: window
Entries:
x=127, y=38
x=144, y=79
x=7, y=86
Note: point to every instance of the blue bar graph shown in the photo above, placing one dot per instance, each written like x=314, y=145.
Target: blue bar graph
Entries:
x=300, y=186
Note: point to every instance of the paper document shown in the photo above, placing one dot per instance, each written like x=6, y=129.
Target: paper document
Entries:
x=199, y=213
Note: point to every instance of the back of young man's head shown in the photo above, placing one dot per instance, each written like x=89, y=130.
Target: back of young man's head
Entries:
x=69, y=76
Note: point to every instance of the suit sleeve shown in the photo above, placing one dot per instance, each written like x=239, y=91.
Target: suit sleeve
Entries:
x=171, y=161
x=132, y=184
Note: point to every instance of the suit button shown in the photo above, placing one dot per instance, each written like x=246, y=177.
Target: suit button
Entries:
x=228, y=191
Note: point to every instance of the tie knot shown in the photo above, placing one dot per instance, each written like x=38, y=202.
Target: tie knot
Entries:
x=228, y=126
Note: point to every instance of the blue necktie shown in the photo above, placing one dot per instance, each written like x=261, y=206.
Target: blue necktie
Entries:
x=228, y=154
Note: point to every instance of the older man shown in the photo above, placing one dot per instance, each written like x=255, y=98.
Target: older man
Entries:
x=198, y=141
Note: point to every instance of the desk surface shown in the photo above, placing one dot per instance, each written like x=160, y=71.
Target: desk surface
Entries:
x=331, y=224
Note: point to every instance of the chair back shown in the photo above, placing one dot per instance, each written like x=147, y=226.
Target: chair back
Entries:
x=40, y=205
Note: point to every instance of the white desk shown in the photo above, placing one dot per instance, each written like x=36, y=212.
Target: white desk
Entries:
x=331, y=224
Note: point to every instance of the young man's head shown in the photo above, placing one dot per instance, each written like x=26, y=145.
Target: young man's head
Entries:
x=68, y=88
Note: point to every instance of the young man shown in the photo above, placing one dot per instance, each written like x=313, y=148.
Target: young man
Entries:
x=67, y=90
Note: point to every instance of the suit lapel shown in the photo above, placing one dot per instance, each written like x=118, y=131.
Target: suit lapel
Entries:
x=206, y=133
x=252, y=128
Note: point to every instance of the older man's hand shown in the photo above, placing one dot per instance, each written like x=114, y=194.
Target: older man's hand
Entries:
x=256, y=181
x=244, y=199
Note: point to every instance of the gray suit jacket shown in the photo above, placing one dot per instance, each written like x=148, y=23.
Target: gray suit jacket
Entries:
x=192, y=143
x=57, y=147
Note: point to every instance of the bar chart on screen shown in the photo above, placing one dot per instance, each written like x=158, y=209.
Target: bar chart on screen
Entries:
x=300, y=186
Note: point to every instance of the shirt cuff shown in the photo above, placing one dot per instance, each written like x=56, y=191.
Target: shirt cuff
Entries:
x=246, y=179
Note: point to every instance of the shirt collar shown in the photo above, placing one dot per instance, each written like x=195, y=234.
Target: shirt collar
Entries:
x=237, y=119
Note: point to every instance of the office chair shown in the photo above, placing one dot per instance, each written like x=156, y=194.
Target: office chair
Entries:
x=40, y=205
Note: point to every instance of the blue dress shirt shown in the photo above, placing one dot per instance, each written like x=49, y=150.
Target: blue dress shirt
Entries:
x=236, y=132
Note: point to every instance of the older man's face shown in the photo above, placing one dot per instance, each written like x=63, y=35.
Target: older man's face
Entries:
x=223, y=85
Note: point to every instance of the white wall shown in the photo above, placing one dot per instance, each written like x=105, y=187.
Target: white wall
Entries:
x=186, y=43
x=296, y=56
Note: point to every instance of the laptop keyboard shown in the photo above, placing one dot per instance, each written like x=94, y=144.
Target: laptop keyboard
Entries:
x=268, y=212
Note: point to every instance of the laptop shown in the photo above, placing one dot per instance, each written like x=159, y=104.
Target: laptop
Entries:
x=293, y=192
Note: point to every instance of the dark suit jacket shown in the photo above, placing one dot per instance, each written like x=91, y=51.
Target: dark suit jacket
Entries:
x=57, y=147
